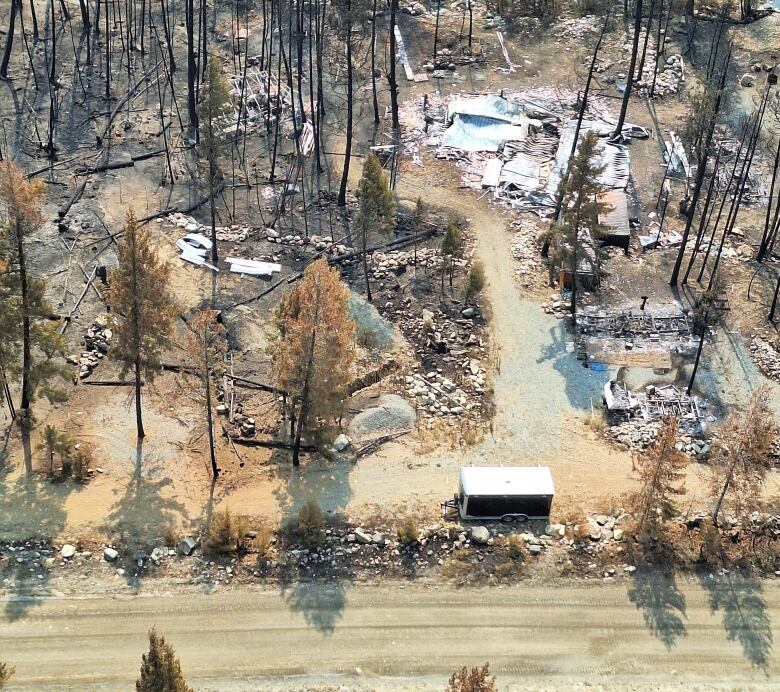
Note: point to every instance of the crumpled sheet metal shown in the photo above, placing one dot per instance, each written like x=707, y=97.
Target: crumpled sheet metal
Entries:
x=480, y=133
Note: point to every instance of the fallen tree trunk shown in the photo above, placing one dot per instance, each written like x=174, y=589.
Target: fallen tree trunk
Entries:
x=111, y=383
x=180, y=210
x=253, y=384
x=268, y=444
x=375, y=444
x=63, y=212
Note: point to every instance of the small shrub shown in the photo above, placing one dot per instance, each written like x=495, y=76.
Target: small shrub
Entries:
x=80, y=464
x=311, y=523
x=472, y=680
x=509, y=571
x=514, y=546
x=458, y=568
x=263, y=541
x=408, y=533
x=171, y=535
x=711, y=542
x=475, y=281
x=226, y=534
x=6, y=672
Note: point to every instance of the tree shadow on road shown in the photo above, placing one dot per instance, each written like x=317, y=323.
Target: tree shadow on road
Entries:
x=745, y=616
x=320, y=600
x=143, y=511
x=581, y=382
x=321, y=603
x=31, y=511
x=662, y=605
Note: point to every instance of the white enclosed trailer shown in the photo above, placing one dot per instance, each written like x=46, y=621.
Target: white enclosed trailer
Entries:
x=503, y=493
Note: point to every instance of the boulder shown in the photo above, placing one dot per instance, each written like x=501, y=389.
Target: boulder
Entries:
x=747, y=80
x=68, y=551
x=555, y=530
x=480, y=535
x=378, y=539
x=110, y=555
x=341, y=443
x=186, y=545
x=362, y=536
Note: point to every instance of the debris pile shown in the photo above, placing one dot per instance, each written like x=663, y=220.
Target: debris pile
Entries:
x=637, y=436
x=656, y=403
x=766, y=357
x=96, y=343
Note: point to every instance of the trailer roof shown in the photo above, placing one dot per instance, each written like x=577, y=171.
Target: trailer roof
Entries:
x=506, y=480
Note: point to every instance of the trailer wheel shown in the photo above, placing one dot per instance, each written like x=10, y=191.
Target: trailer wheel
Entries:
x=508, y=518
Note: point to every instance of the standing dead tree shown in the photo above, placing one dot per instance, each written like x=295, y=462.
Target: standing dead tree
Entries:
x=660, y=470
x=205, y=345
x=741, y=458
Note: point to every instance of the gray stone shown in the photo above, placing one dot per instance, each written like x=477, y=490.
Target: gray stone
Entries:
x=555, y=530
x=617, y=534
x=480, y=535
x=468, y=312
x=341, y=443
x=186, y=545
x=110, y=555
x=362, y=536
x=68, y=551
x=535, y=549
x=378, y=539
x=747, y=80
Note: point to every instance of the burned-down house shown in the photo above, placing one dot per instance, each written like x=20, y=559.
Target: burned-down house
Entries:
x=659, y=338
x=656, y=403
x=486, y=124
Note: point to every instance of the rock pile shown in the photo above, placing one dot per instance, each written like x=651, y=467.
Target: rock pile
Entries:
x=576, y=28
x=383, y=264
x=96, y=343
x=436, y=395
x=416, y=9
x=638, y=436
x=766, y=357
x=671, y=75
x=231, y=234
x=556, y=306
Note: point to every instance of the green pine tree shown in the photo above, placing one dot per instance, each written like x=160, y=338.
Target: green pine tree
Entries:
x=451, y=247
x=24, y=310
x=214, y=108
x=577, y=234
x=143, y=310
x=160, y=668
x=377, y=208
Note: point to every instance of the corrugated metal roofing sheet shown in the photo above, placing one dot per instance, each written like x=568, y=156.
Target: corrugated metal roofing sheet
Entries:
x=617, y=218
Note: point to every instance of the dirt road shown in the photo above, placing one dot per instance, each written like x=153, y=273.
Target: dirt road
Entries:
x=557, y=635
